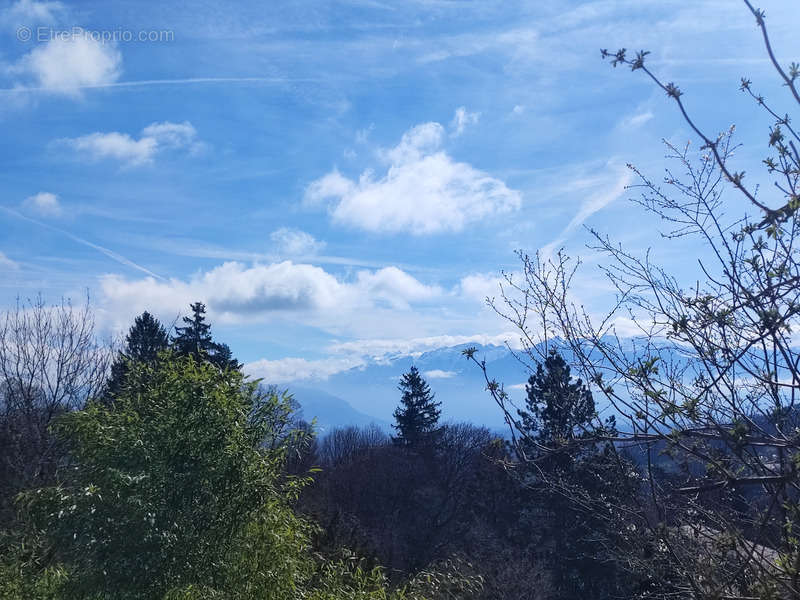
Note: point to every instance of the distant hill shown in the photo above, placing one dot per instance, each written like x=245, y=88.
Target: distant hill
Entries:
x=330, y=411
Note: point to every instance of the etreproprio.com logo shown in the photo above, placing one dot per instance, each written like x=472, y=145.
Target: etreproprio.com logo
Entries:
x=46, y=34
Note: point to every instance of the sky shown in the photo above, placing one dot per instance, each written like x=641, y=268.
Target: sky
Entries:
x=342, y=180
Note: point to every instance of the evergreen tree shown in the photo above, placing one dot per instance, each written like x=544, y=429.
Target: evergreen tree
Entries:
x=194, y=339
x=560, y=412
x=146, y=338
x=417, y=417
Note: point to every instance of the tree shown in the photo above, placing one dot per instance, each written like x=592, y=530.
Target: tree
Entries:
x=555, y=465
x=708, y=386
x=146, y=338
x=194, y=339
x=50, y=363
x=558, y=409
x=409, y=509
x=417, y=417
x=179, y=492
x=166, y=487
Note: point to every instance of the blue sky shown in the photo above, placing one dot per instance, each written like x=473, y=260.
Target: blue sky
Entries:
x=339, y=180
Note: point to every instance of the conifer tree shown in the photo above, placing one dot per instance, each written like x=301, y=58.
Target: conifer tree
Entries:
x=417, y=417
x=194, y=339
x=146, y=338
x=558, y=409
x=555, y=467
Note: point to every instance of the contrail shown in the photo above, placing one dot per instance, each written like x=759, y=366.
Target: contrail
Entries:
x=109, y=253
x=149, y=82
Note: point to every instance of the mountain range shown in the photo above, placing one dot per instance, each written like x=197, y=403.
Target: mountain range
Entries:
x=369, y=393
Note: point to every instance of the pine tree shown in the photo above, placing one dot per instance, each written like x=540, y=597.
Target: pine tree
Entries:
x=194, y=339
x=417, y=417
x=146, y=338
x=558, y=408
x=560, y=412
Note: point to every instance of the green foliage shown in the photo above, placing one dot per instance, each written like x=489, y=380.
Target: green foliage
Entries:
x=179, y=492
x=166, y=489
x=146, y=338
x=348, y=578
x=558, y=409
x=417, y=417
x=21, y=578
x=194, y=339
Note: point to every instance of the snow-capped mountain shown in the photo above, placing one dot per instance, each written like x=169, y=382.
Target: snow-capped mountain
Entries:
x=366, y=393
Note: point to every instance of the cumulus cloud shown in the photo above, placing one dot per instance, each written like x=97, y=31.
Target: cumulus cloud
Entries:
x=439, y=374
x=171, y=135
x=462, y=119
x=234, y=291
x=67, y=64
x=395, y=287
x=287, y=370
x=294, y=242
x=133, y=152
x=6, y=264
x=45, y=204
x=479, y=286
x=424, y=191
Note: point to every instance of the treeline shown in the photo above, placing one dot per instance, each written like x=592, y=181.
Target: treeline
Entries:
x=457, y=490
x=160, y=471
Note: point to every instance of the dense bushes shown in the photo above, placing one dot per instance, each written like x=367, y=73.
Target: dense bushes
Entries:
x=178, y=489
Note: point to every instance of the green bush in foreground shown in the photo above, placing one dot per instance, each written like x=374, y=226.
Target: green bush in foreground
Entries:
x=178, y=492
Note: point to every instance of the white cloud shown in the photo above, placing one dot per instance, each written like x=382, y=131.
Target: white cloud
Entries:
x=174, y=135
x=415, y=144
x=381, y=348
x=362, y=135
x=29, y=12
x=287, y=370
x=462, y=119
x=45, y=204
x=439, y=374
x=6, y=264
x=358, y=354
x=329, y=186
x=599, y=200
x=235, y=292
x=424, y=191
x=479, y=286
x=636, y=120
x=518, y=109
x=116, y=146
x=66, y=64
x=395, y=287
x=294, y=242
x=133, y=152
